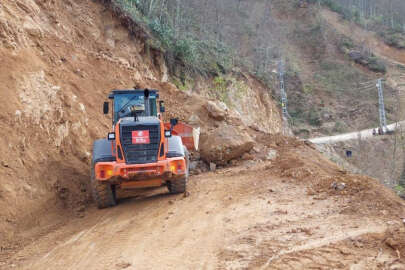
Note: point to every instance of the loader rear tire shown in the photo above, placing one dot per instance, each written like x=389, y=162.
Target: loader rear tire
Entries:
x=103, y=193
x=180, y=185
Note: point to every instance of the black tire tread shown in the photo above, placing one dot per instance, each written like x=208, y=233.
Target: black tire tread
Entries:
x=180, y=185
x=103, y=193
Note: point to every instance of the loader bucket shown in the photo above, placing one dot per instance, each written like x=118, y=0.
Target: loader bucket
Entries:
x=190, y=136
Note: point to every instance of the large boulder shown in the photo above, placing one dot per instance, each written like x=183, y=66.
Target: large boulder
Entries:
x=224, y=143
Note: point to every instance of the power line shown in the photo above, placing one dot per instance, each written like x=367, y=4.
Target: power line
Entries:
x=354, y=89
x=367, y=82
x=364, y=89
x=368, y=85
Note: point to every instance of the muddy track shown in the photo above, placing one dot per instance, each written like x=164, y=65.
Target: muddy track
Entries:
x=239, y=218
x=362, y=134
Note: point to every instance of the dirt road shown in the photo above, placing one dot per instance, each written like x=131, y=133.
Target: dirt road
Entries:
x=362, y=134
x=279, y=214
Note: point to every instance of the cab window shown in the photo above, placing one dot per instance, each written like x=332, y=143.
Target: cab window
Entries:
x=123, y=101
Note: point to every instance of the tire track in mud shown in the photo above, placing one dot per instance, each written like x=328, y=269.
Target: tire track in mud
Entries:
x=299, y=235
x=111, y=233
x=234, y=219
x=294, y=253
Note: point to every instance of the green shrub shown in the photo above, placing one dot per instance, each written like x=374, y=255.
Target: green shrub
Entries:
x=347, y=43
x=332, y=5
x=339, y=127
x=399, y=188
x=183, y=86
x=356, y=15
x=220, y=90
x=394, y=38
x=307, y=88
x=347, y=46
x=314, y=118
x=374, y=64
x=241, y=87
x=328, y=65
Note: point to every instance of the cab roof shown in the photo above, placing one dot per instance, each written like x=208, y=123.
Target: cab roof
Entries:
x=130, y=91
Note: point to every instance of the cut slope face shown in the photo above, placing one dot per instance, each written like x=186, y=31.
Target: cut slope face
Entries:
x=59, y=61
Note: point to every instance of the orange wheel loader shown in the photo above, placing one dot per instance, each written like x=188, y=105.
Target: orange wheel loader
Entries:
x=141, y=151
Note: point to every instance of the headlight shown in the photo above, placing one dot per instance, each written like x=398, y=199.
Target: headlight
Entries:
x=177, y=166
x=104, y=171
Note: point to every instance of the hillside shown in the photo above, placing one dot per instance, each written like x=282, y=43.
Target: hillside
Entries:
x=334, y=52
x=279, y=204
x=330, y=74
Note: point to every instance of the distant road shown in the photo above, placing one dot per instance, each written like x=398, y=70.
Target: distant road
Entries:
x=363, y=134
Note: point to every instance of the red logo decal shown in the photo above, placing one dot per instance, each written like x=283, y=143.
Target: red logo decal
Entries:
x=140, y=137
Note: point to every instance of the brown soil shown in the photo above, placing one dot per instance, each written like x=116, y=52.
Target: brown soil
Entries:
x=281, y=214
x=57, y=67
x=60, y=59
x=55, y=73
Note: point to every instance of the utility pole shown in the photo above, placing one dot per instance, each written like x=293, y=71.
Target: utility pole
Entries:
x=381, y=107
x=282, y=90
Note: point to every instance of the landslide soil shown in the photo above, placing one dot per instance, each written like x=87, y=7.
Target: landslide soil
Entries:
x=282, y=214
x=60, y=59
x=279, y=214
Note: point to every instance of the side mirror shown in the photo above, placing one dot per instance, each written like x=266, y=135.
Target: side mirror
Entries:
x=106, y=107
x=146, y=93
x=173, y=122
x=162, y=106
x=111, y=136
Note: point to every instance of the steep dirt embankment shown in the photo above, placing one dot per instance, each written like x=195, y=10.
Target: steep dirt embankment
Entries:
x=59, y=59
x=384, y=153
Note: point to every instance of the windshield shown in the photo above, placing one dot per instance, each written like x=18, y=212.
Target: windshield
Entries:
x=123, y=101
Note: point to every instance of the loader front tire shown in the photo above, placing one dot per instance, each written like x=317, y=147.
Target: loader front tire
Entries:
x=180, y=185
x=103, y=193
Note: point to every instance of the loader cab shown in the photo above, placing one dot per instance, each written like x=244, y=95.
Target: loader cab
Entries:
x=132, y=103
